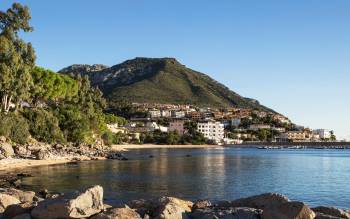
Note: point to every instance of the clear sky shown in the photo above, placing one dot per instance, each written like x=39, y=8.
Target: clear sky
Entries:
x=293, y=56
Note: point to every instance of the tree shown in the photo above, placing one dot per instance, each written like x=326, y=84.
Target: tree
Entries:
x=333, y=137
x=17, y=57
x=50, y=86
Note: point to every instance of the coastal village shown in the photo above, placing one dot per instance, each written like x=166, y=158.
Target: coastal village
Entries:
x=219, y=126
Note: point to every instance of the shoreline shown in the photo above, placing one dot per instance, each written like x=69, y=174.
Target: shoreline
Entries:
x=9, y=165
x=127, y=147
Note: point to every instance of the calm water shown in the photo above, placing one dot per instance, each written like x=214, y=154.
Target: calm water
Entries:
x=317, y=177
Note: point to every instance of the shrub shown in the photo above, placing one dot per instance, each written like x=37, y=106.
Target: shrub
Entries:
x=43, y=126
x=74, y=124
x=14, y=127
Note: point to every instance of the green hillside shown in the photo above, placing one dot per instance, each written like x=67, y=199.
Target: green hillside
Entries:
x=164, y=81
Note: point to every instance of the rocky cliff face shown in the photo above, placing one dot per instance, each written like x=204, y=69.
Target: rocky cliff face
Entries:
x=161, y=80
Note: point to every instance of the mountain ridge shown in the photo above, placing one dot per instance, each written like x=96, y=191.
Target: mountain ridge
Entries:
x=161, y=80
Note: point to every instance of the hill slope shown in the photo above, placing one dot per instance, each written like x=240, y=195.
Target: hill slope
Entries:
x=162, y=80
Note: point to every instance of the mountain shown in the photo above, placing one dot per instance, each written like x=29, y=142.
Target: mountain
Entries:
x=161, y=80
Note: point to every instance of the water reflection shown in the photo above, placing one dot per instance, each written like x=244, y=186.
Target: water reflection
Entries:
x=316, y=177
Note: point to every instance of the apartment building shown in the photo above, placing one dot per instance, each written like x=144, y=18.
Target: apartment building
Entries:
x=212, y=130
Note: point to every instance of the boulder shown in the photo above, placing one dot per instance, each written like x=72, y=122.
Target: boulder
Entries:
x=226, y=213
x=42, y=155
x=7, y=200
x=20, y=195
x=6, y=149
x=173, y=208
x=118, y=213
x=2, y=139
x=332, y=212
x=324, y=216
x=22, y=151
x=18, y=209
x=23, y=216
x=258, y=202
x=289, y=210
x=83, y=205
x=201, y=204
x=143, y=207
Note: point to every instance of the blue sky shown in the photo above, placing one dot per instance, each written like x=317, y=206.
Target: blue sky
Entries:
x=292, y=56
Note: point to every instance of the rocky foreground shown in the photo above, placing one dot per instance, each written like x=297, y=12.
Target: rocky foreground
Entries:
x=17, y=204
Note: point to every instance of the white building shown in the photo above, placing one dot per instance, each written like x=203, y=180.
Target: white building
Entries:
x=212, y=130
x=165, y=113
x=154, y=113
x=178, y=114
x=323, y=133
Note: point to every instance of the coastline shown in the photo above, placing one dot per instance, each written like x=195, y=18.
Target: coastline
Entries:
x=127, y=147
x=9, y=165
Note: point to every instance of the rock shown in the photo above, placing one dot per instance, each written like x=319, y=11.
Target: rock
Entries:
x=201, y=204
x=226, y=213
x=289, y=210
x=6, y=149
x=23, y=216
x=324, y=216
x=7, y=200
x=173, y=208
x=20, y=195
x=42, y=155
x=332, y=212
x=118, y=213
x=22, y=151
x=2, y=139
x=258, y=202
x=116, y=156
x=84, y=205
x=18, y=209
x=143, y=207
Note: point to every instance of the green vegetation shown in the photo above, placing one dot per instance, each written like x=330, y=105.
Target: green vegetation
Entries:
x=164, y=80
x=40, y=103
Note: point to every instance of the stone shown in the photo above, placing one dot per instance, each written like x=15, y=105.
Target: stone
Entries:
x=226, y=213
x=42, y=155
x=201, y=204
x=6, y=150
x=258, y=202
x=118, y=213
x=289, y=210
x=23, y=216
x=324, y=216
x=7, y=200
x=332, y=212
x=2, y=139
x=18, y=209
x=173, y=208
x=22, y=151
x=23, y=196
x=143, y=207
x=83, y=205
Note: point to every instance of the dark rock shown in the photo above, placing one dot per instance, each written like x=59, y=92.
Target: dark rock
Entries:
x=116, y=156
x=324, y=216
x=332, y=212
x=18, y=209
